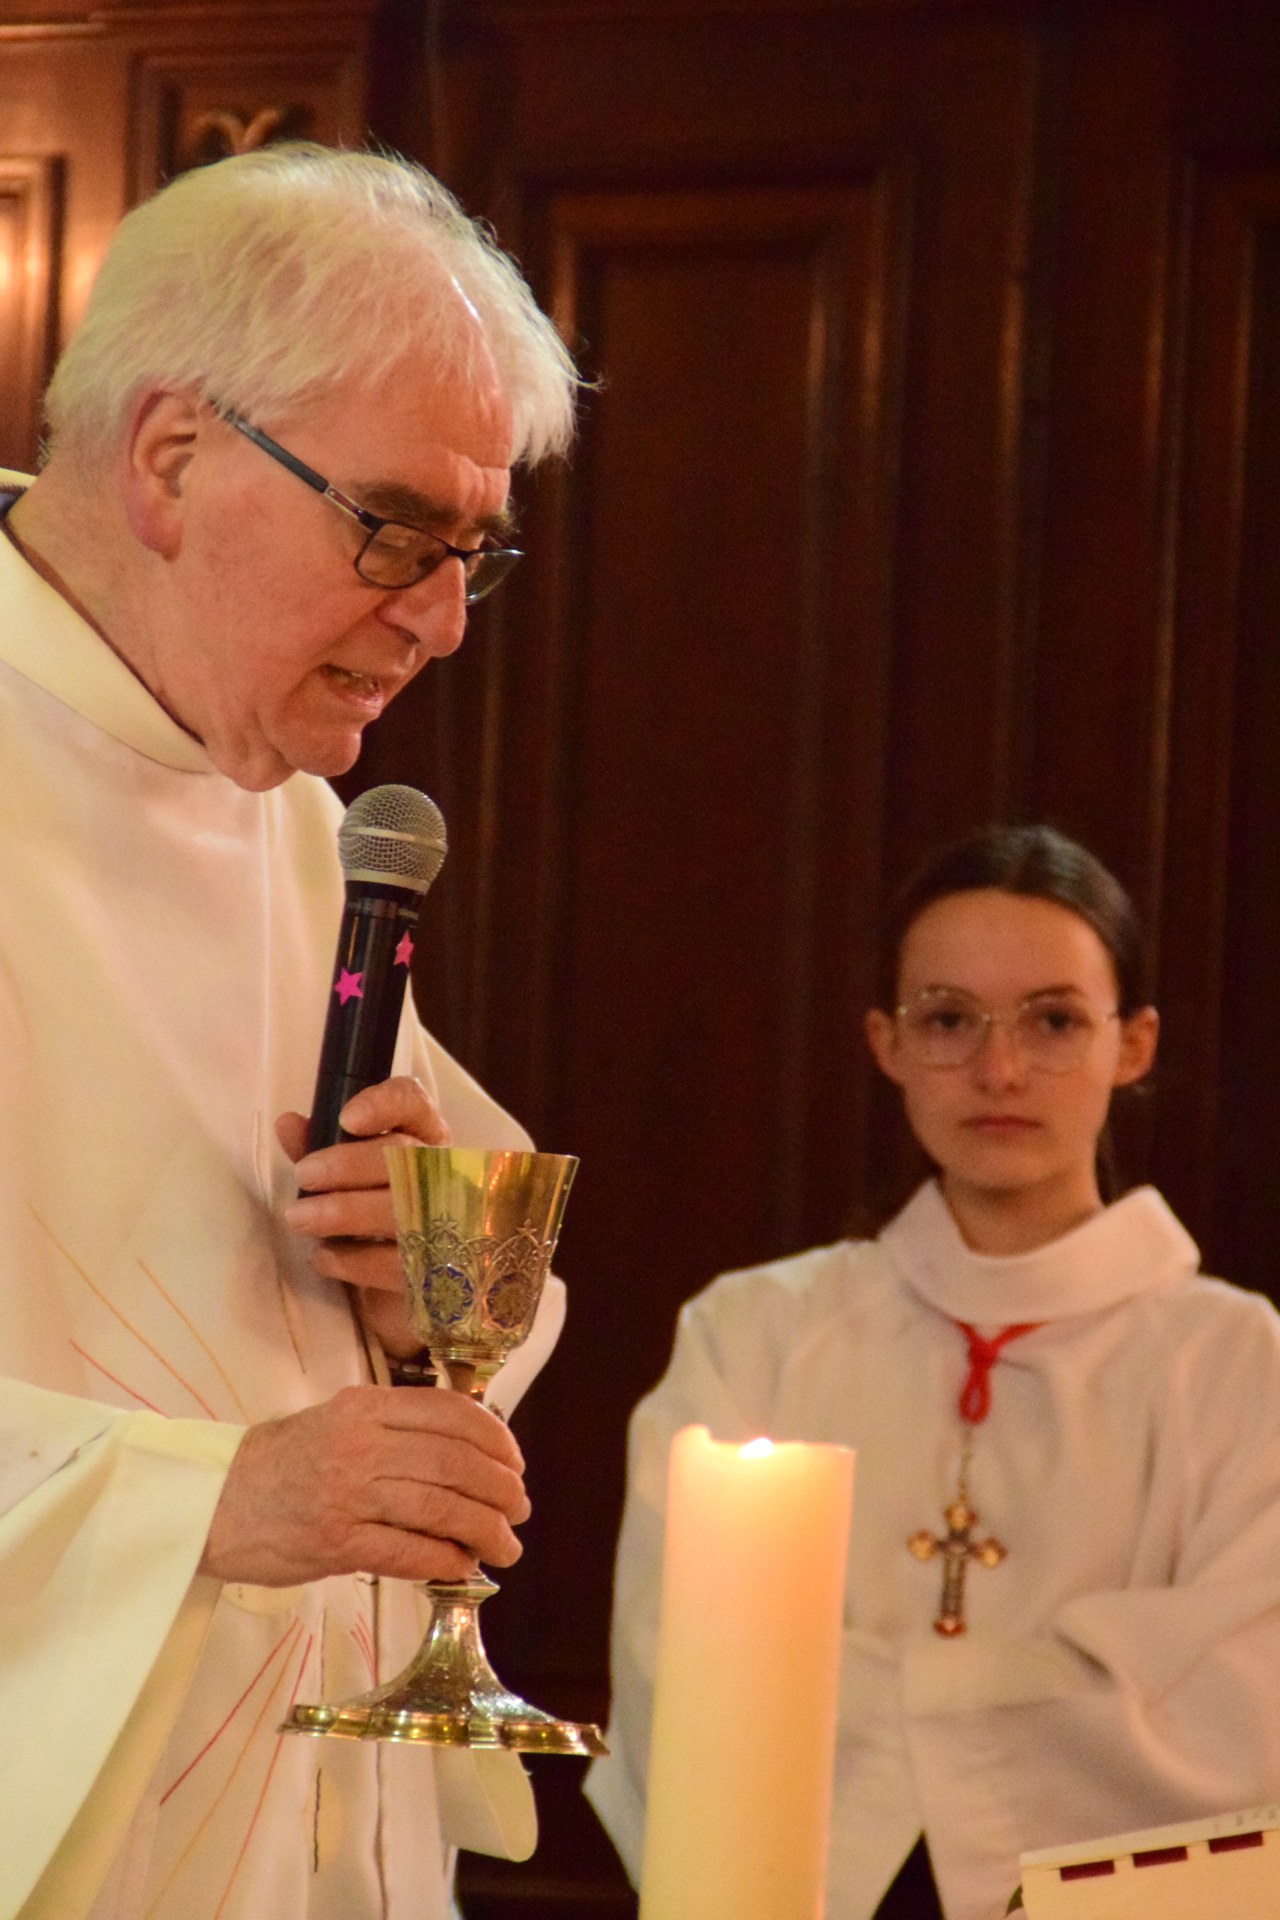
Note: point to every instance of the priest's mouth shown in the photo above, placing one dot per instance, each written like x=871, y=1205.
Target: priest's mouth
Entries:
x=363, y=688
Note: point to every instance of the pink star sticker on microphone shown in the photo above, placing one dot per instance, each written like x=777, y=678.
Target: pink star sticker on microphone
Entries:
x=348, y=987
x=404, y=952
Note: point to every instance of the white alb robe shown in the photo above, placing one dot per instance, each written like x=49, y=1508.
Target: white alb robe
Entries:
x=166, y=941
x=1122, y=1666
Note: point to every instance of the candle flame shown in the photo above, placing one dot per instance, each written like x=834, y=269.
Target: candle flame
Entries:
x=756, y=1449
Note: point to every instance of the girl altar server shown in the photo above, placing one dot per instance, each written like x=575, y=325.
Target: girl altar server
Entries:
x=1063, y=1600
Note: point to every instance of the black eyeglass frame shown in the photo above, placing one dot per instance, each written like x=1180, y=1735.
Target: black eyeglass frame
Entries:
x=482, y=567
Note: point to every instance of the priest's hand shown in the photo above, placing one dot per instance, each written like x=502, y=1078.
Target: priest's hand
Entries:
x=411, y=1482
x=344, y=1203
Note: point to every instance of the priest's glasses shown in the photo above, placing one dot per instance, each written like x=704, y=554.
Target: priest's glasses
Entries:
x=476, y=1232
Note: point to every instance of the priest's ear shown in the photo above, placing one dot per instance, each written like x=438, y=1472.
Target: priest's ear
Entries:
x=160, y=442
x=882, y=1038
x=1139, y=1034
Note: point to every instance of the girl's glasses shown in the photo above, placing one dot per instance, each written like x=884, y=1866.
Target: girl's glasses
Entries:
x=946, y=1027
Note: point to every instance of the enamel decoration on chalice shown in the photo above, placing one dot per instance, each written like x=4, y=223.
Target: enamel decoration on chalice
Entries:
x=476, y=1232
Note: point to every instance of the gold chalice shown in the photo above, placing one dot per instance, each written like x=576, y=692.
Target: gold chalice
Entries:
x=476, y=1232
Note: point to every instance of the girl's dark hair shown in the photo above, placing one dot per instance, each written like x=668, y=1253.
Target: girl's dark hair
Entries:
x=1036, y=861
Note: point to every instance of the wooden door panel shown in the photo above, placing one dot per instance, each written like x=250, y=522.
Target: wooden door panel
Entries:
x=1220, y=1118
x=30, y=212
x=700, y=643
x=196, y=104
x=61, y=115
x=97, y=106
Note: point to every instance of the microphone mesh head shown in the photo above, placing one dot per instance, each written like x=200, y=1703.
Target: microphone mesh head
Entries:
x=393, y=836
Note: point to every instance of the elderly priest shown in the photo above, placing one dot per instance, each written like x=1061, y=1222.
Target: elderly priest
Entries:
x=280, y=448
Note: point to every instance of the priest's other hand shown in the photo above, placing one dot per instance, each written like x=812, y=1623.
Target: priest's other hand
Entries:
x=411, y=1482
x=344, y=1203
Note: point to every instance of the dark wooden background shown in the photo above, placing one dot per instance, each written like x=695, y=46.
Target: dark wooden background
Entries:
x=932, y=478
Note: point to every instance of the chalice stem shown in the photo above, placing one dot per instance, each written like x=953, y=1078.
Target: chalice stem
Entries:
x=465, y=1377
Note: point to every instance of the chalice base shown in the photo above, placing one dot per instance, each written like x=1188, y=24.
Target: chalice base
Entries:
x=449, y=1695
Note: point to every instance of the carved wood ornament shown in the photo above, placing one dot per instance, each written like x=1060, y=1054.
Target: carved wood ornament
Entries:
x=218, y=132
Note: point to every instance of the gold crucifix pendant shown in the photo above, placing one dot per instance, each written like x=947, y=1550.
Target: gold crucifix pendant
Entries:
x=957, y=1550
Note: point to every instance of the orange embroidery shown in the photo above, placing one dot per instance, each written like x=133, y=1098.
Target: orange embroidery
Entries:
x=123, y=1385
x=216, y=1802
x=364, y=1640
x=292, y=1632
x=244, y=1848
x=200, y=1341
x=111, y=1307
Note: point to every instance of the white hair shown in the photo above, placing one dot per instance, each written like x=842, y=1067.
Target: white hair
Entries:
x=268, y=279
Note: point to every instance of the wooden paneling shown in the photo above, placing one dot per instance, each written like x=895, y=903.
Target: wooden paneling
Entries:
x=1100, y=657
x=756, y=542
x=803, y=268
x=30, y=206
x=99, y=104
x=1246, y=1150
x=198, y=104
x=61, y=110
x=702, y=577
x=1220, y=1117
x=930, y=480
x=1247, y=1145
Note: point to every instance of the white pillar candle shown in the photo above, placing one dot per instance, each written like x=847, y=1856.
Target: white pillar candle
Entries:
x=744, y=1718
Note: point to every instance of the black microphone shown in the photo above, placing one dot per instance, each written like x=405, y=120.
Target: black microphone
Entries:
x=392, y=845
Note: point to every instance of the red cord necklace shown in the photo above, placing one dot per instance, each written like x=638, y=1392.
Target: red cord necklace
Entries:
x=958, y=1546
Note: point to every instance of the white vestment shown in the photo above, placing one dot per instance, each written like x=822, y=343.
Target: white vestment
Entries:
x=1122, y=1666
x=166, y=944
